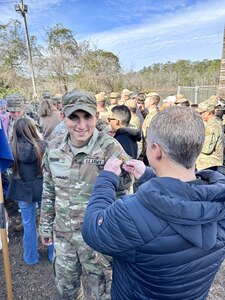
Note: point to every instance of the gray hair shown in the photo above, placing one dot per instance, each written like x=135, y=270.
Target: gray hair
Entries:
x=180, y=132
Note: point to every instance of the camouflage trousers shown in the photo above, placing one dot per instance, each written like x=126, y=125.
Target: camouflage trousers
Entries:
x=75, y=259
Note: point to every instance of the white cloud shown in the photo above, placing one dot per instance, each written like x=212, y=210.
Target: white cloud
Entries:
x=180, y=35
x=166, y=30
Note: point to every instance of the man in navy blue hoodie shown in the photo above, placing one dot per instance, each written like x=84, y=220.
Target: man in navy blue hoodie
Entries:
x=168, y=239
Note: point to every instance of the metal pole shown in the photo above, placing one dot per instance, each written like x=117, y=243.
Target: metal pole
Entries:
x=23, y=13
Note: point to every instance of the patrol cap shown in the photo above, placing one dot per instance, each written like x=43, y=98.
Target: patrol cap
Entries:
x=179, y=96
x=15, y=102
x=57, y=98
x=46, y=95
x=114, y=95
x=181, y=100
x=131, y=103
x=79, y=100
x=2, y=103
x=126, y=92
x=141, y=97
x=100, y=97
x=152, y=94
x=204, y=106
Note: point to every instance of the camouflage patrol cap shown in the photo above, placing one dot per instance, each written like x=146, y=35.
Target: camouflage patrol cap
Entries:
x=179, y=96
x=152, y=94
x=114, y=95
x=141, y=97
x=131, y=103
x=181, y=100
x=15, y=102
x=46, y=95
x=57, y=98
x=126, y=92
x=79, y=100
x=100, y=97
x=205, y=106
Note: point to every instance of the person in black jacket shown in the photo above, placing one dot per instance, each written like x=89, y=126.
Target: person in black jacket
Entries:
x=26, y=181
x=126, y=136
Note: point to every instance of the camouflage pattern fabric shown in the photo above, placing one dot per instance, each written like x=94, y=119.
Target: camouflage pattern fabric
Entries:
x=11, y=124
x=147, y=121
x=104, y=114
x=135, y=121
x=212, y=151
x=15, y=102
x=69, y=175
x=60, y=129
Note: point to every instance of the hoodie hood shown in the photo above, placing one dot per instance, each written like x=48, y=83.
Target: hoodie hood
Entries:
x=192, y=210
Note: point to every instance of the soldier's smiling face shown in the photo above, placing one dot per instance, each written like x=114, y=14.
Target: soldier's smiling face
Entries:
x=81, y=126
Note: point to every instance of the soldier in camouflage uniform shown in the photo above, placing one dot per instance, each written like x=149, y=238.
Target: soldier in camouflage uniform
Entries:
x=103, y=112
x=71, y=164
x=16, y=109
x=125, y=95
x=151, y=104
x=135, y=120
x=212, y=151
x=114, y=100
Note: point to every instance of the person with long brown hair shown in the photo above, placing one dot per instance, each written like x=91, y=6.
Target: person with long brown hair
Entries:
x=26, y=181
x=49, y=118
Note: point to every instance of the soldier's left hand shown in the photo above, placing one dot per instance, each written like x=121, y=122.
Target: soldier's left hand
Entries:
x=113, y=164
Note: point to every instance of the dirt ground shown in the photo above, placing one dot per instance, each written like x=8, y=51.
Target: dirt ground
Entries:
x=37, y=283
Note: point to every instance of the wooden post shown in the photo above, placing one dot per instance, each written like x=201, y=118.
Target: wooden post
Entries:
x=5, y=250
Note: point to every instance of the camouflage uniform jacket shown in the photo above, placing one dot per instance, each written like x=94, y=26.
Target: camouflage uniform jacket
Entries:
x=11, y=125
x=212, y=151
x=147, y=121
x=60, y=129
x=69, y=178
x=135, y=121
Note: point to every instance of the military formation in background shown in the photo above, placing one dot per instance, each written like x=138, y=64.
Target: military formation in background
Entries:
x=117, y=124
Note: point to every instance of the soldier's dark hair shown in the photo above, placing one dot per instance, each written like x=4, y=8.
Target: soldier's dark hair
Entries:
x=122, y=113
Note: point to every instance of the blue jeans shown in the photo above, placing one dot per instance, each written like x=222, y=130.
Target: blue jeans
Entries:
x=30, y=242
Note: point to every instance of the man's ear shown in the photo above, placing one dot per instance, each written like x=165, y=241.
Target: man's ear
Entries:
x=118, y=123
x=97, y=115
x=157, y=151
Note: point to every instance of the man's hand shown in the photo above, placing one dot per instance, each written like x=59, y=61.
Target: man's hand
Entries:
x=46, y=241
x=135, y=167
x=113, y=164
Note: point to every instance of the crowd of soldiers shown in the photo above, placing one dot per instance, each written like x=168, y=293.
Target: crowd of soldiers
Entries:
x=143, y=107
x=124, y=116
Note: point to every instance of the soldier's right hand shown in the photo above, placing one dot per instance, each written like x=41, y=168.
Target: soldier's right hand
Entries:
x=135, y=167
x=47, y=241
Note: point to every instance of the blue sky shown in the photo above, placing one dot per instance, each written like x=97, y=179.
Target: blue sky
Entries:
x=140, y=32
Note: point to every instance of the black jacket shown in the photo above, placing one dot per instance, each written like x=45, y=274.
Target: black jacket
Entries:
x=28, y=187
x=128, y=138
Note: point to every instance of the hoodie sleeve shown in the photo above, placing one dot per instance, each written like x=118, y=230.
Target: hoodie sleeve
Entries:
x=108, y=227
x=148, y=174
